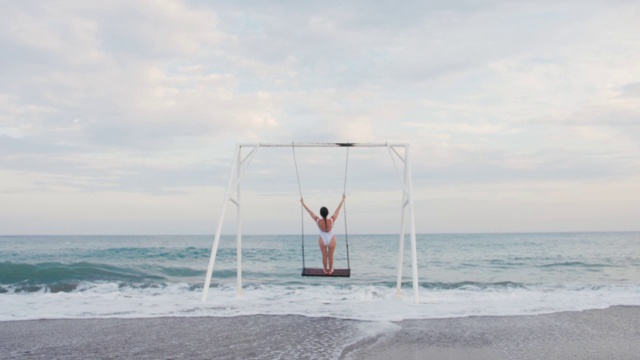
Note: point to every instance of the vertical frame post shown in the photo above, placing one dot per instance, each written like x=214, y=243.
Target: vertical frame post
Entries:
x=239, y=227
x=232, y=187
x=403, y=212
x=401, y=253
x=412, y=220
x=407, y=201
x=216, y=239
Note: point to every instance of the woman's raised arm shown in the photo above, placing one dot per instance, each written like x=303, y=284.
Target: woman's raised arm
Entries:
x=313, y=215
x=335, y=214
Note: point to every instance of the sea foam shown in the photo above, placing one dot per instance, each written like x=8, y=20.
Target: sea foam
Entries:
x=111, y=300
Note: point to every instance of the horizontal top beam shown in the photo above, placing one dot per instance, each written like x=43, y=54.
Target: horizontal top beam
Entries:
x=337, y=144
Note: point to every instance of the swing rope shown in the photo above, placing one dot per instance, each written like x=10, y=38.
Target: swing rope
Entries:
x=293, y=149
x=344, y=191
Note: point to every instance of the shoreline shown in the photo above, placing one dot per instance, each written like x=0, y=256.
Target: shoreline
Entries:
x=589, y=334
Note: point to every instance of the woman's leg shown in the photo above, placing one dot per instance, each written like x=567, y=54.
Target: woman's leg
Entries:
x=323, y=248
x=332, y=249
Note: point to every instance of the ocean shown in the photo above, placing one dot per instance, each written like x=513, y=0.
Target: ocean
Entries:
x=460, y=275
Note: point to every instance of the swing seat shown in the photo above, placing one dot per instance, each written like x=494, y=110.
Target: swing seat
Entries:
x=320, y=272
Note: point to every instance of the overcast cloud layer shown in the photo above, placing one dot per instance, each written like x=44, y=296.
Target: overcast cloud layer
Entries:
x=121, y=117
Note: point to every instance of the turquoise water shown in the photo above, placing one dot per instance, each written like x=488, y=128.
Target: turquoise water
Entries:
x=459, y=275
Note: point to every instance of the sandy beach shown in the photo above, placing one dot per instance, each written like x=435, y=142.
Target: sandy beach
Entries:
x=595, y=334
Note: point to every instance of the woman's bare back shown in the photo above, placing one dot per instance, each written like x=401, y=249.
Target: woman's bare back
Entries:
x=325, y=227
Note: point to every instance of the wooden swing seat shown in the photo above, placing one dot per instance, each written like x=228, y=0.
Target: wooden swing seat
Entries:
x=320, y=272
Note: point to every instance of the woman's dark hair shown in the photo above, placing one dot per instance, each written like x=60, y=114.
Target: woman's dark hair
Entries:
x=324, y=212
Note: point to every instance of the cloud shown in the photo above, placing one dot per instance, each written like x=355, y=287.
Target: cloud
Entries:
x=149, y=98
x=631, y=90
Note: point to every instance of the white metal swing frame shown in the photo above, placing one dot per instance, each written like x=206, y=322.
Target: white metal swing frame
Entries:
x=238, y=169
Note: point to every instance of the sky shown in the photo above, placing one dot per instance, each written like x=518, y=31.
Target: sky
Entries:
x=122, y=117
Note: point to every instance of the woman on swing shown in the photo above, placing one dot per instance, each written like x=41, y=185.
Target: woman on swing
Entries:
x=327, y=240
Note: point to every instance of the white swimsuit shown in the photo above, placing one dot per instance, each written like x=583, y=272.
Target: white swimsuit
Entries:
x=326, y=236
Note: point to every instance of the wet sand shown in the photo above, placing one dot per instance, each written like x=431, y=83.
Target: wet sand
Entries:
x=595, y=334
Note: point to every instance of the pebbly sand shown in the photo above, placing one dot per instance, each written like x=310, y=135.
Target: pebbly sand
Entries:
x=595, y=334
